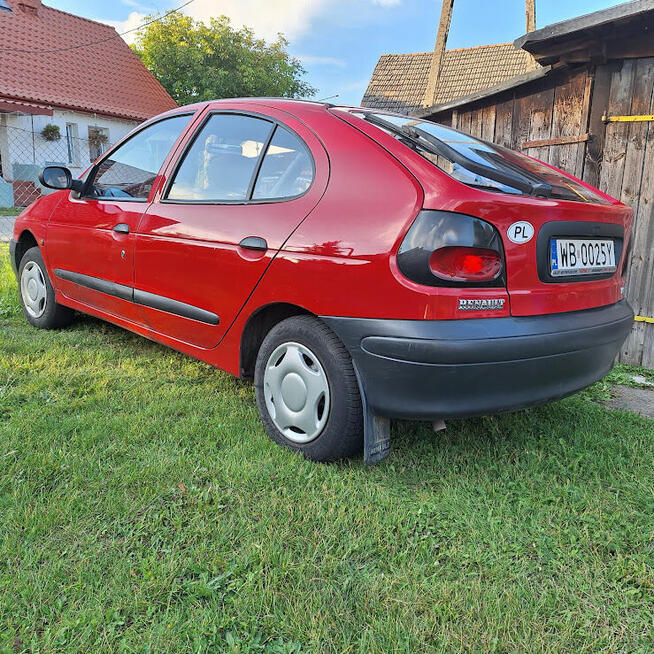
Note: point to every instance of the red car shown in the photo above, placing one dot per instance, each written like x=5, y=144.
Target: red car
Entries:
x=358, y=265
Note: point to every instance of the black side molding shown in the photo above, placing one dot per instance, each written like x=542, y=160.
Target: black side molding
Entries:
x=97, y=284
x=159, y=302
x=174, y=306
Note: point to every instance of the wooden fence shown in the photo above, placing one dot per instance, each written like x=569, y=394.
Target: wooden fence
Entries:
x=564, y=119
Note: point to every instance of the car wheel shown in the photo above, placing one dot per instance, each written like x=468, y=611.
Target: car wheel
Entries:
x=37, y=296
x=307, y=392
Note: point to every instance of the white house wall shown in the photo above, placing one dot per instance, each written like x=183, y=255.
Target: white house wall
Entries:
x=25, y=145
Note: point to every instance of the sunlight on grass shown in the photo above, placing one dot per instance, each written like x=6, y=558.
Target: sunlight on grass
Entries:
x=143, y=508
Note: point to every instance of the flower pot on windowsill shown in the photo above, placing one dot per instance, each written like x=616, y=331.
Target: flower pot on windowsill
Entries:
x=97, y=140
x=51, y=133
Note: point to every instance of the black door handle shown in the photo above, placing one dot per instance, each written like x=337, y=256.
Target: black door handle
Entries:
x=254, y=243
x=121, y=228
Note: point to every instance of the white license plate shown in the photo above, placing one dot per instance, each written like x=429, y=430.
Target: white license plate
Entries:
x=581, y=256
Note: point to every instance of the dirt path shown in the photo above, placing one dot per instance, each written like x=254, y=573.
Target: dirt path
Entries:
x=636, y=400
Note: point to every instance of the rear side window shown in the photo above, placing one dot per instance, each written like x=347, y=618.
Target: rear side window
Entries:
x=128, y=173
x=222, y=161
x=287, y=169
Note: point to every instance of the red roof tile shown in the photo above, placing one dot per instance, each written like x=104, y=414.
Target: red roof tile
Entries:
x=105, y=78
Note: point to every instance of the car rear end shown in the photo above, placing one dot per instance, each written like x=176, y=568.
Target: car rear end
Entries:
x=526, y=265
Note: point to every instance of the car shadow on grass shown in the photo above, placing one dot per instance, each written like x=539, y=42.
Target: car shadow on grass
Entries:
x=574, y=427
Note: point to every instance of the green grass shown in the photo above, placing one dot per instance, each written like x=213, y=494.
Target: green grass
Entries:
x=10, y=211
x=143, y=509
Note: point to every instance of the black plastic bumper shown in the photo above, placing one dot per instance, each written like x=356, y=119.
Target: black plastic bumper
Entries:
x=12, y=256
x=420, y=369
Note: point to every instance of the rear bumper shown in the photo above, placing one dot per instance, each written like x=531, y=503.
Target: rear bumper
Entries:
x=12, y=256
x=417, y=369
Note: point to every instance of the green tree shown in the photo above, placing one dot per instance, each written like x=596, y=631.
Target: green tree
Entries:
x=194, y=61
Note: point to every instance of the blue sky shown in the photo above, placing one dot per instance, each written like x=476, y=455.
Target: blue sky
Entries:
x=339, y=41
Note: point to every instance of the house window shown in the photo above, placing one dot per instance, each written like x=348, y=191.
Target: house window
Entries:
x=71, y=143
x=98, y=140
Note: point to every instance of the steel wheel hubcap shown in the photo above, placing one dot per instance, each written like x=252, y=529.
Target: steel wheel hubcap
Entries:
x=33, y=289
x=296, y=392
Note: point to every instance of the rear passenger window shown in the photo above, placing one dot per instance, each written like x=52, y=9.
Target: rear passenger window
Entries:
x=287, y=169
x=222, y=161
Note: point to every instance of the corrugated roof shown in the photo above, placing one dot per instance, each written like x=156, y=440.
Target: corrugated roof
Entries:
x=399, y=81
x=105, y=78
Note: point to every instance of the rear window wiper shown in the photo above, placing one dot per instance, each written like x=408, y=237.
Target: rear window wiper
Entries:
x=508, y=175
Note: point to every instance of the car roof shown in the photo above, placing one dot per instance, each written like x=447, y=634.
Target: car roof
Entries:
x=290, y=105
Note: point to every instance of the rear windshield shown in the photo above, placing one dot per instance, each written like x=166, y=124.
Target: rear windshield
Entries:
x=479, y=163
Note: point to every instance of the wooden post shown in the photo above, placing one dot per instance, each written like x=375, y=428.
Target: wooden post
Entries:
x=530, y=7
x=439, y=49
x=530, y=13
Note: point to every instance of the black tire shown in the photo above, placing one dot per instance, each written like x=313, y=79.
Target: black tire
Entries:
x=342, y=435
x=54, y=316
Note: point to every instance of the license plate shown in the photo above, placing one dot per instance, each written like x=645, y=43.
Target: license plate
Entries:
x=581, y=256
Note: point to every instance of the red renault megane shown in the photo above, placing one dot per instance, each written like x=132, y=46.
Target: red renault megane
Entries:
x=358, y=265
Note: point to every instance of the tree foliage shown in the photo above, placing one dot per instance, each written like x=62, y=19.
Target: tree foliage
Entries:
x=194, y=61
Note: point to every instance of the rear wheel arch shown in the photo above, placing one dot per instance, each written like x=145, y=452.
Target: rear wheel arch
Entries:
x=257, y=327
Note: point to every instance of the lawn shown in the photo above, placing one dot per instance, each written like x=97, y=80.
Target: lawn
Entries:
x=143, y=509
x=10, y=211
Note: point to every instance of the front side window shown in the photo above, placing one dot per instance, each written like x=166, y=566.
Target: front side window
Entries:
x=479, y=163
x=221, y=163
x=287, y=168
x=129, y=172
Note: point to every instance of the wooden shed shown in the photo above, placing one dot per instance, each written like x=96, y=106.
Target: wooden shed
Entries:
x=588, y=108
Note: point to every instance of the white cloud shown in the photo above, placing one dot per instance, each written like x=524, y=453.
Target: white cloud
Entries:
x=134, y=19
x=267, y=18
x=134, y=4
x=313, y=60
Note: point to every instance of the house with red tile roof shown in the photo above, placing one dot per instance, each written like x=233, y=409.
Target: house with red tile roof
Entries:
x=69, y=87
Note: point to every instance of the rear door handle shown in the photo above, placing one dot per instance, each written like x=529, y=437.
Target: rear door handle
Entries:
x=121, y=228
x=254, y=243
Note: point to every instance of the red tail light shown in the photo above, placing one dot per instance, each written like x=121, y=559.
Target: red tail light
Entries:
x=443, y=248
x=465, y=264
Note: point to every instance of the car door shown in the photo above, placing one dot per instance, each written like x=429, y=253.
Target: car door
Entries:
x=90, y=239
x=243, y=183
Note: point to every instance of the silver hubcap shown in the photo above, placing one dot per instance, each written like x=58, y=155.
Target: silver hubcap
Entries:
x=296, y=391
x=33, y=289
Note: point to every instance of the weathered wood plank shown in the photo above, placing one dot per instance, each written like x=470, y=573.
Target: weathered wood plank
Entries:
x=563, y=140
x=540, y=121
x=476, y=122
x=638, y=191
x=521, y=124
x=585, y=117
x=596, y=128
x=637, y=134
x=503, y=124
x=569, y=120
x=489, y=116
x=465, y=118
x=615, y=142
